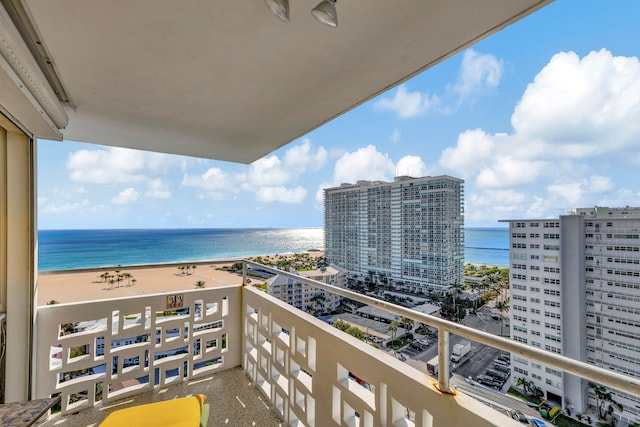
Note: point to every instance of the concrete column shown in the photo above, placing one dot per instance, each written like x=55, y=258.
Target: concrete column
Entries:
x=573, y=297
x=17, y=256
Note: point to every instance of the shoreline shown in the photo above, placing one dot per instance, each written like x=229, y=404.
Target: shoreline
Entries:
x=67, y=286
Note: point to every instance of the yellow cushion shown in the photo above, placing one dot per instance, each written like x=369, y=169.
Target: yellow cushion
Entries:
x=182, y=412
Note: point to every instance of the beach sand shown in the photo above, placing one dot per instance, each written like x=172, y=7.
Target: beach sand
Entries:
x=87, y=285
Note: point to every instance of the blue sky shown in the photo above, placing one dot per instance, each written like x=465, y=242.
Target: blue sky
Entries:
x=538, y=119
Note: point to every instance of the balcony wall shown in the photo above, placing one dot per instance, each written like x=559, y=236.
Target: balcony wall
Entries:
x=132, y=347
x=312, y=373
x=316, y=375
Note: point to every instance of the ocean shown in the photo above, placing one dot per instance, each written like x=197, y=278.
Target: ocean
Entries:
x=73, y=249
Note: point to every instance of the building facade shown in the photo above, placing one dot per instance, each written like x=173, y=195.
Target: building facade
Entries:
x=407, y=233
x=575, y=291
x=312, y=300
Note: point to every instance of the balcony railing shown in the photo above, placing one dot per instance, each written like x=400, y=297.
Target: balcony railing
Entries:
x=96, y=352
x=581, y=369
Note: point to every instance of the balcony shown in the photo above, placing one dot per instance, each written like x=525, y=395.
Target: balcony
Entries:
x=104, y=355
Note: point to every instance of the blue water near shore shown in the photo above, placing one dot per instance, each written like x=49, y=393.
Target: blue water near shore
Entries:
x=72, y=249
x=488, y=246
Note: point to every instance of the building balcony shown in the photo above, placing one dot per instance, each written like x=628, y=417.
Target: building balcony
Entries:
x=100, y=356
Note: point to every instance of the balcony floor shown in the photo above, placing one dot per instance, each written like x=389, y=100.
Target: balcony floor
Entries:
x=233, y=401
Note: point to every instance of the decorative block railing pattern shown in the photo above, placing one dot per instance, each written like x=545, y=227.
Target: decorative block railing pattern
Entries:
x=316, y=375
x=98, y=351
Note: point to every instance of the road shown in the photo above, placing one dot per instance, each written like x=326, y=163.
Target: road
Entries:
x=479, y=359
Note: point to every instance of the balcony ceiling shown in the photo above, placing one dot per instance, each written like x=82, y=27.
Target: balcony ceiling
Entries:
x=226, y=79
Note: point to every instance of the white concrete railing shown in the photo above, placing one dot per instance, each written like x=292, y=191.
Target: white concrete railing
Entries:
x=593, y=373
x=316, y=375
x=126, y=346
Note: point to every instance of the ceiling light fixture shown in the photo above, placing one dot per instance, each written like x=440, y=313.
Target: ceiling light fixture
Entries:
x=325, y=12
x=279, y=8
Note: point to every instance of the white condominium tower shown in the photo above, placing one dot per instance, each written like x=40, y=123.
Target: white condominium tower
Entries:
x=407, y=233
x=575, y=291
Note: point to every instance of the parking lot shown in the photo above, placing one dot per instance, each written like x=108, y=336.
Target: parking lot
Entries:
x=479, y=359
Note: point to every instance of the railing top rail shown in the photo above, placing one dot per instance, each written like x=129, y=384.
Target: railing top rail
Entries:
x=582, y=369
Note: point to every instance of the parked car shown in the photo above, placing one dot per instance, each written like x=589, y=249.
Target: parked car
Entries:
x=417, y=346
x=536, y=422
x=501, y=368
x=518, y=416
x=502, y=376
x=487, y=380
x=501, y=362
x=505, y=358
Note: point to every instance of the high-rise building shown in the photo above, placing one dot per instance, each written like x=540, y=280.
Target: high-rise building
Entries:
x=575, y=289
x=407, y=233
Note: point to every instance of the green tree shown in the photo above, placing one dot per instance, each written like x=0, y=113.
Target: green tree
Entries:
x=407, y=323
x=604, y=397
x=393, y=327
x=341, y=324
x=520, y=381
x=200, y=284
x=502, y=306
x=355, y=332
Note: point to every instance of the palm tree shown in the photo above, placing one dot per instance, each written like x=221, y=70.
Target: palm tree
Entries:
x=502, y=306
x=133, y=282
x=194, y=269
x=407, y=323
x=200, y=284
x=456, y=288
x=393, y=327
x=604, y=396
x=521, y=381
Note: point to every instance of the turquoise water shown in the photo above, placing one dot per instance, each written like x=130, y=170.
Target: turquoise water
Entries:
x=487, y=246
x=70, y=249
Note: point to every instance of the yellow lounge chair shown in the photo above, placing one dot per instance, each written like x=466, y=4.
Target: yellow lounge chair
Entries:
x=182, y=412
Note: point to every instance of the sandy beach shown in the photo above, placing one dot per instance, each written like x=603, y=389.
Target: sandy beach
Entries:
x=88, y=285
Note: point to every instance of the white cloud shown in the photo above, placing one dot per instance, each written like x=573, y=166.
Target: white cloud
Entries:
x=108, y=166
x=300, y=157
x=408, y=104
x=474, y=151
x=411, y=166
x=571, y=192
x=363, y=164
x=281, y=194
x=272, y=172
x=578, y=108
x=214, y=180
x=157, y=189
x=508, y=172
x=126, y=196
x=268, y=171
x=477, y=71
x=576, y=114
x=492, y=204
x=600, y=184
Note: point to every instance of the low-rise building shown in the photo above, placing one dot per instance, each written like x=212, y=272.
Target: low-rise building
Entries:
x=307, y=298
